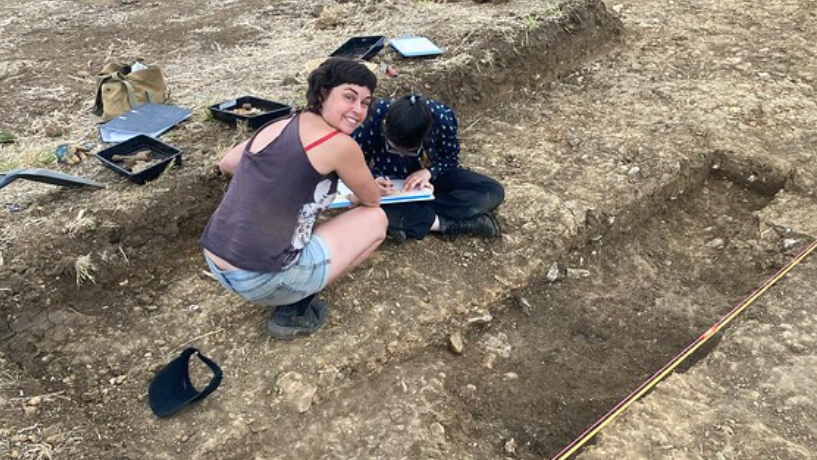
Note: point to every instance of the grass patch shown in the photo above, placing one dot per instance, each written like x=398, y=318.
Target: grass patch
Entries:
x=203, y=114
x=85, y=269
x=165, y=172
x=531, y=22
x=7, y=137
x=18, y=155
x=553, y=9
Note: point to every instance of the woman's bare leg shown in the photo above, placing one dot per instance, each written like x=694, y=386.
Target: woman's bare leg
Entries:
x=351, y=237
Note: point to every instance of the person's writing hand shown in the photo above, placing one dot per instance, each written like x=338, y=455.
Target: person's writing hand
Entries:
x=385, y=185
x=418, y=179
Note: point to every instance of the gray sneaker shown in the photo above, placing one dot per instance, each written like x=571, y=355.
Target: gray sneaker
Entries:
x=300, y=318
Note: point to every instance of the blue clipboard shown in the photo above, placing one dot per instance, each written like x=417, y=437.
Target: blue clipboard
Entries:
x=420, y=194
x=415, y=46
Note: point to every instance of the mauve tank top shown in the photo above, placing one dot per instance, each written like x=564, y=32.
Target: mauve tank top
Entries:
x=271, y=206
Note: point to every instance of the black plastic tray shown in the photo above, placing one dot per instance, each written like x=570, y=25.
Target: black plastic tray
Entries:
x=158, y=151
x=270, y=110
x=361, y=47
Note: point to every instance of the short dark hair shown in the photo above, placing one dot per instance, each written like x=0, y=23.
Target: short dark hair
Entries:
x=334, y=72
x=408, y=121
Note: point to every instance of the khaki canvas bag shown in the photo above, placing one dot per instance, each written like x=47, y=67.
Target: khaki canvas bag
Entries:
x=119, y=88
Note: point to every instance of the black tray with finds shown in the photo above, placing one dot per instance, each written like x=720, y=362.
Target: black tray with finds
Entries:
x=254, y=111
x=141, y=158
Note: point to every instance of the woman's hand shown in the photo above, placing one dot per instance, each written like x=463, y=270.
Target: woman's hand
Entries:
x=385, y=185
x=418, y=179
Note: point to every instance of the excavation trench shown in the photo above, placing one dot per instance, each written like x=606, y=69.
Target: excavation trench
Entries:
x=559, y=354
x=628, y=305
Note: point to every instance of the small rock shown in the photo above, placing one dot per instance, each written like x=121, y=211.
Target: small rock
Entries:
x=510, y=446
x=634, y=171
x=329, y=19
x=717, y=243
x=578, y=273
x=55, y=439
x=289, y=80
x=393, y=347
x=789, y=243
x=35, y=401
x=144, y=299
x=437, y=430
x=489, y=361
x=797, y=348
x=526, y=306
x=455, y=343
x=152, y=307
x=581, y=338
x=484, y=319
x=511, y=376
x=329, y=376
x=55, y=131
x=497, y=344
x=617, y=8
x=553, y=272
x=51, y=430
x=297, y=391
x=90, y=396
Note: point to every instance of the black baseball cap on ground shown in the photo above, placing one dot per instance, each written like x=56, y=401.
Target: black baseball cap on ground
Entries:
x=172, y=388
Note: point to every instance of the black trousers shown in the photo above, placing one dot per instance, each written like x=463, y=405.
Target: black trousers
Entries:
x=458, y=195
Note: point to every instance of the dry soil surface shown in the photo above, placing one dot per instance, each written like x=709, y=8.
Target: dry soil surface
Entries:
x=658, y=158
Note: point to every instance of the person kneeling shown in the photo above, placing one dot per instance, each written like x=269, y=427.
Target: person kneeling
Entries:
x=262, y=242
x=415, y=138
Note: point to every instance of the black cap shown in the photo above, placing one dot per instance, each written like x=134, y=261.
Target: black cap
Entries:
x=172, y=389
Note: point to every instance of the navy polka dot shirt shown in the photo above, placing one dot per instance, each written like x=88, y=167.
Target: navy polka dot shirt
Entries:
x=440, y=150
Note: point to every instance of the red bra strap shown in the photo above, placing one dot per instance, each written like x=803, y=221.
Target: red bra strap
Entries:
x=320, y=141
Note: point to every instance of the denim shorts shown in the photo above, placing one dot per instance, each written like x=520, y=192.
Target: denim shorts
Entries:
x=308, y=276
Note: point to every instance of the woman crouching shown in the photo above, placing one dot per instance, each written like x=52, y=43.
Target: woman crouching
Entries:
x=262, y=242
